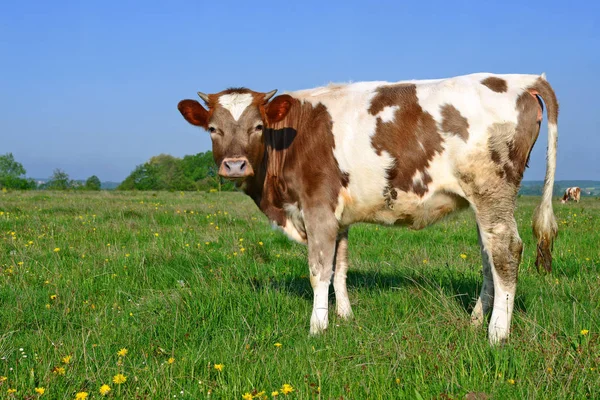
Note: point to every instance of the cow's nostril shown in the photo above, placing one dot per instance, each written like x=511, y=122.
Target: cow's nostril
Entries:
x=242, y=165
x=227, y=165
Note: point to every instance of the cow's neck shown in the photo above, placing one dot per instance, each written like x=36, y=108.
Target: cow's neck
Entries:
x=255, y=184
x=264, y=187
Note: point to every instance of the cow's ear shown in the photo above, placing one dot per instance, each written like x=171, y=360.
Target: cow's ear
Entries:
x=278, y=108
x=194, y=113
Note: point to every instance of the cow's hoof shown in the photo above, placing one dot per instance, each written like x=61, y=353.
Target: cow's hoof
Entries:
x=319, y=321
x=345, y=312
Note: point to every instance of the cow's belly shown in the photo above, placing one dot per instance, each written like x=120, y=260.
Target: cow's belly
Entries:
x=395, y=207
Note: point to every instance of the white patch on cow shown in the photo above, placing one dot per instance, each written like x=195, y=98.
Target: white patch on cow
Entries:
x=388, y=113
x=236, y=103
x=320, y=314
x=418, y=178
x=294, y=223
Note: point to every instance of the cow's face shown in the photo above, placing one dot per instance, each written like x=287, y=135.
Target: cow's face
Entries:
x=235, y=120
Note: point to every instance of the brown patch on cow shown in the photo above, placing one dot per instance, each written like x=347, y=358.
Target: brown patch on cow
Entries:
x=454, y=122
x=411, y=138
x=526, y=133
x=390, y=194
x=420, y=188
x=345, y=179
x=510, y=145
x=495, y=157
x=500, y=146
x=542, y=87
x=300, y=165
x=495, y=84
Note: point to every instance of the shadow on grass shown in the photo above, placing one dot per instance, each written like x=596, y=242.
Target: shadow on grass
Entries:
x=462, y=289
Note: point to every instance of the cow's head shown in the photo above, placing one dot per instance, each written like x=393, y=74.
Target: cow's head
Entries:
x=235, y=120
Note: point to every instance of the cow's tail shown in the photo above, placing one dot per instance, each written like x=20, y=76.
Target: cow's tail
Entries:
x=545, y=228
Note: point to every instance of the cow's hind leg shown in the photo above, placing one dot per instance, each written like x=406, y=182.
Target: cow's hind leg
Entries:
x=503, y=247
x=343, y=307
x=322, y=230
x=486, y=296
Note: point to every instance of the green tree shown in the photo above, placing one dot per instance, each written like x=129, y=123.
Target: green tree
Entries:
x=12, y=174
x=201, y=168
x=59, y=181
x=165, y=172
x=93, y=183
x=143, y=177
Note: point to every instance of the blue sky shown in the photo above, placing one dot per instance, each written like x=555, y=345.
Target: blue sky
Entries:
x=92, y=87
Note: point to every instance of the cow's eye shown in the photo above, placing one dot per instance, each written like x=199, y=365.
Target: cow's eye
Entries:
x=212, y=129
x=258, y=128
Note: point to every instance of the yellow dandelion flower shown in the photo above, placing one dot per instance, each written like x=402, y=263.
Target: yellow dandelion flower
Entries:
x=66, y=359
x=511, y=381
x=119, y=379
x=81, y=395
x=584, y=332
x=104, y=390
x=171, y=360
x=53, y=297
x=287, y=388
x=275, y=393
x=247, y=396
x=47, y=305
x=122, y=353
x=11, y=391
x=40, y=390
x=59, y=370
x=20, y=263
x=549, y=370
x=278, y=344
x=260, y=244
x=219, y=367
x=56, y=249
x=3, y=378
x=463, y=256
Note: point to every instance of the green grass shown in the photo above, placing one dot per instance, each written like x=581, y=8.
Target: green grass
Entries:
x=202, y=279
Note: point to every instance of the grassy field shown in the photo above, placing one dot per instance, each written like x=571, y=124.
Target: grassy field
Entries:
x=209, y=302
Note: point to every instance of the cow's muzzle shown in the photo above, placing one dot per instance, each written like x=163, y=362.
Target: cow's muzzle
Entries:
x=234, y=168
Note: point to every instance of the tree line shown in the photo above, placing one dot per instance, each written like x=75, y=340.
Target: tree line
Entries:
x=162, y=172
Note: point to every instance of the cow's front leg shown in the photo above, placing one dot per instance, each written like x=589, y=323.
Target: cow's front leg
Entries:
x=321, y=230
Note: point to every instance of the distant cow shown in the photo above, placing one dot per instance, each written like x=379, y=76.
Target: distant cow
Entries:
x=407, y=153
x=572, y=193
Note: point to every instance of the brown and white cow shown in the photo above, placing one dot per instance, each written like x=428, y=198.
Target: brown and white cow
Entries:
x=406, y=153
x=572, y=193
